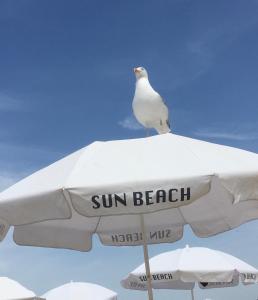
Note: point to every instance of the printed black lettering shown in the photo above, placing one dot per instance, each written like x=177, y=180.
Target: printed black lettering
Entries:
x=160, y=196
x=185, y=194
x=94, y=200
x=143, y=278
x=153, y=235
x=137, y=199
x=129, y=237
x=114, y=238
x=121, y=200
x=161, y=234
x=107, y=200
x=137, y=236
x=122, y=238
x=148, y=197
x=170, y=195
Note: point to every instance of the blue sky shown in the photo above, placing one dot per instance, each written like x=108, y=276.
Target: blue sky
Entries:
x=66, y=80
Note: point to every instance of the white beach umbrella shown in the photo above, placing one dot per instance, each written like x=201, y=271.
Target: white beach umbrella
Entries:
x=133, y=192
x=182, y=268
x=12, y=290
x=80, y=291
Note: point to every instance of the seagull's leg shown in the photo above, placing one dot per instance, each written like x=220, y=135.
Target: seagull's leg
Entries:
x=147, y=132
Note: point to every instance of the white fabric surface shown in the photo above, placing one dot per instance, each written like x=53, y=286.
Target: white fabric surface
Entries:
x=12, y=290
x=172, y=180
x=182, y=268
x=80, y=291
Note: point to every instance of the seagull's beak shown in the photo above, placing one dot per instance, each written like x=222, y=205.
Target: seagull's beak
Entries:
x=136, y=70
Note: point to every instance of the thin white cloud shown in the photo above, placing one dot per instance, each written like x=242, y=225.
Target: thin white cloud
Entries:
x=8, y=103
x=229, y=135
x=130, y=123
x=6, y=180
x=215, y=39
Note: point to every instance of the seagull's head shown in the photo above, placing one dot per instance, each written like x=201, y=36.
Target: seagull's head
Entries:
x=140, y=72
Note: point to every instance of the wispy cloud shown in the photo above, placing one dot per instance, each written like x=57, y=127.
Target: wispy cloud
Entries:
x=213, y=40
x=9, y=178
x=6, y=180
x=130, y=123
x=8, y=103
x=243, y=134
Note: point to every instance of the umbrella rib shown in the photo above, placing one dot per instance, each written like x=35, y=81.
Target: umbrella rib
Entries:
x=181, y=214
x=97, y=225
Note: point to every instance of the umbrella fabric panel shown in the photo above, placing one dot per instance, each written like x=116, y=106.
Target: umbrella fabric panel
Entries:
x=39, y=196
x=248, y=273
x=203, y=264
x=144, y=173
x=11, y=289
x=80, y=291
x=216, y=212
x=162, y=226
x=231, y=165
x=160, y=163
x=75, y=233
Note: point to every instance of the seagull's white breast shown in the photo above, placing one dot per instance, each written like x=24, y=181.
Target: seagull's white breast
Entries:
x=148, y=106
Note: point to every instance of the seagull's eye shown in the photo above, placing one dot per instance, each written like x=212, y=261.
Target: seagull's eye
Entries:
x=142, y=69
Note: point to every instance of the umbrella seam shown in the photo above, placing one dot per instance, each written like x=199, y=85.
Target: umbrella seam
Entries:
x=95, y=144
x=97, y=225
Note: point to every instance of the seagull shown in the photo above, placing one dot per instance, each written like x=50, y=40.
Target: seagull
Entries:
x=148, y=106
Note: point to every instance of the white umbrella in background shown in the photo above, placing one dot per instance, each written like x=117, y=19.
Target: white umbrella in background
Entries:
x=182, y=268
x=80, y=291
x=133, y=192
x=12, y=290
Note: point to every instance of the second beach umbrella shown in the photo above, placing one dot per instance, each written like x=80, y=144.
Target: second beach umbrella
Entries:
x=182, y=268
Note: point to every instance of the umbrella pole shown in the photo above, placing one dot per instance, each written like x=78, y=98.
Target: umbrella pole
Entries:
x=146, y=259
x=192, y=294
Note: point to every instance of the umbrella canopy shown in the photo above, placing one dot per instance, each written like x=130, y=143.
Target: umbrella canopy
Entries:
x=80, y=291
x=103, y=188
x=181, y=268
x=12, y=290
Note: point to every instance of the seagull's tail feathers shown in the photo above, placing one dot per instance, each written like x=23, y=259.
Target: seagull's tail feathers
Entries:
x=163, y=127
